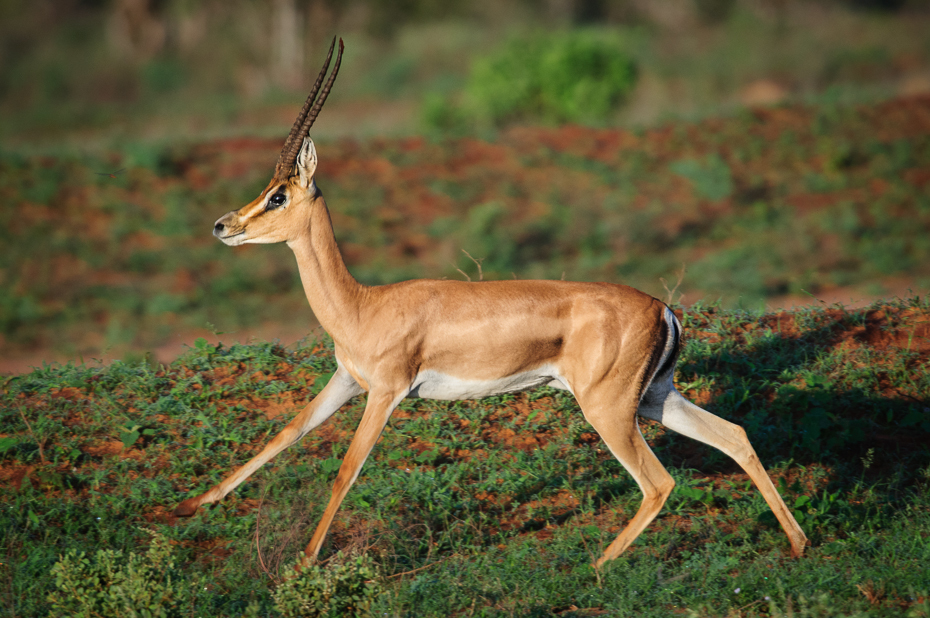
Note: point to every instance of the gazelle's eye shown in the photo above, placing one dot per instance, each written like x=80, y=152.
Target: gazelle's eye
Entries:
x=276, y=200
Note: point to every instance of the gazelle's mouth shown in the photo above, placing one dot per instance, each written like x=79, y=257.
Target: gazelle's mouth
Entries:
x=233, y=239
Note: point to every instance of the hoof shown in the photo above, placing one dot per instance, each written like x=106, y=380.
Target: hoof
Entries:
x=186, y=508
x=304, y=563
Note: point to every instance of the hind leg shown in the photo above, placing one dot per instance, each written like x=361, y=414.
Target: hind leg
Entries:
x=613, y=414
x=682, y=416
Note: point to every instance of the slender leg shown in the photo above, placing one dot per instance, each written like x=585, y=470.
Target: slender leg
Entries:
x=377, y=412
x=617, y=426
x=682, y=416
x=340, y=389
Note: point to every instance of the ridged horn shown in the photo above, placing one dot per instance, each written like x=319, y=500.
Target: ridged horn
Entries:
x=305, y=118
x=311, y=117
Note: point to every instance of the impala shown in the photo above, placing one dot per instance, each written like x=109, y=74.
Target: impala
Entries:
x=613, y=347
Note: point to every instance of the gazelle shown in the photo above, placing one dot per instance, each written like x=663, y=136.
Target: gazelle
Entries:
x=613, y=347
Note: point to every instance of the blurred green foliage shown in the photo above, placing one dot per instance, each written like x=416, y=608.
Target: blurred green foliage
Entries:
x=757, y=204
x=794, y=200
x=93, y=71
x=575, y=76
x=711, y=178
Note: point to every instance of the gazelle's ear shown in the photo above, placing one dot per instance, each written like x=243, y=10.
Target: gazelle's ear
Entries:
x=306, y=163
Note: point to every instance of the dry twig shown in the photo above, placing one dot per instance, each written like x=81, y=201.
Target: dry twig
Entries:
x=258, y=549
x=477, y=263
x=410, y=572
x=41, y=443
x=671, y=293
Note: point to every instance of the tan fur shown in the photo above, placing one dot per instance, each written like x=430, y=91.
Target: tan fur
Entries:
x=605, y=342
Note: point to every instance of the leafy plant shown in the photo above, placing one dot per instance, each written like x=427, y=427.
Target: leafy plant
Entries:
x=344, y=587
x=130, y=434
x=112, y=585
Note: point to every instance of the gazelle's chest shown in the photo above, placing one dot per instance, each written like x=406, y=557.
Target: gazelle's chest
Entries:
x=431, y=384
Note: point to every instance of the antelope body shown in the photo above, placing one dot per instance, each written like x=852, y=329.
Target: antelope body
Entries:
x=613, y=347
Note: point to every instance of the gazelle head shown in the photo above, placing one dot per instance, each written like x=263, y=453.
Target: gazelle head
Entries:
x=279, y=214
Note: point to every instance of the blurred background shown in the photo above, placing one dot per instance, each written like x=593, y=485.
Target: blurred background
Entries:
x=752, y=153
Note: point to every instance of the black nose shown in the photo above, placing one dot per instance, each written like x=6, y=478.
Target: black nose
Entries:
x=219, y=227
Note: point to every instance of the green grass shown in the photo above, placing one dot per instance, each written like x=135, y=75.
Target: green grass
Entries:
x=497, y=507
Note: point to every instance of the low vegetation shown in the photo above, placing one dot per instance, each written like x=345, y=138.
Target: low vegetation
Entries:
x=114, y=169
x=112, y=584
x=796, y=200
x=494, y=507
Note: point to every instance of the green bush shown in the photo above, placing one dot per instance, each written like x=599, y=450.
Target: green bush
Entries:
x=345, y=587
x=579, y=76
x=111, y=585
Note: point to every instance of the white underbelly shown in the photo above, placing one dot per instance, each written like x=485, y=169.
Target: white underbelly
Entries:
x=435, y=385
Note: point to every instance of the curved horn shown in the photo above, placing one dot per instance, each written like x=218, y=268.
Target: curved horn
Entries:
x=291, y=149
x=311, y=117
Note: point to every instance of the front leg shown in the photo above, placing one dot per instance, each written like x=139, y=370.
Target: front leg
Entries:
x=340, y=389
x=377, y=412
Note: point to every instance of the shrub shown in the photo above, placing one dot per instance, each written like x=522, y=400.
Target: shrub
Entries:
x=579, y=76
x=110, y=585
x=345, y=587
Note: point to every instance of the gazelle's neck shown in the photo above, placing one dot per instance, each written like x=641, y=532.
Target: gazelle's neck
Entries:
x=333, y=293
